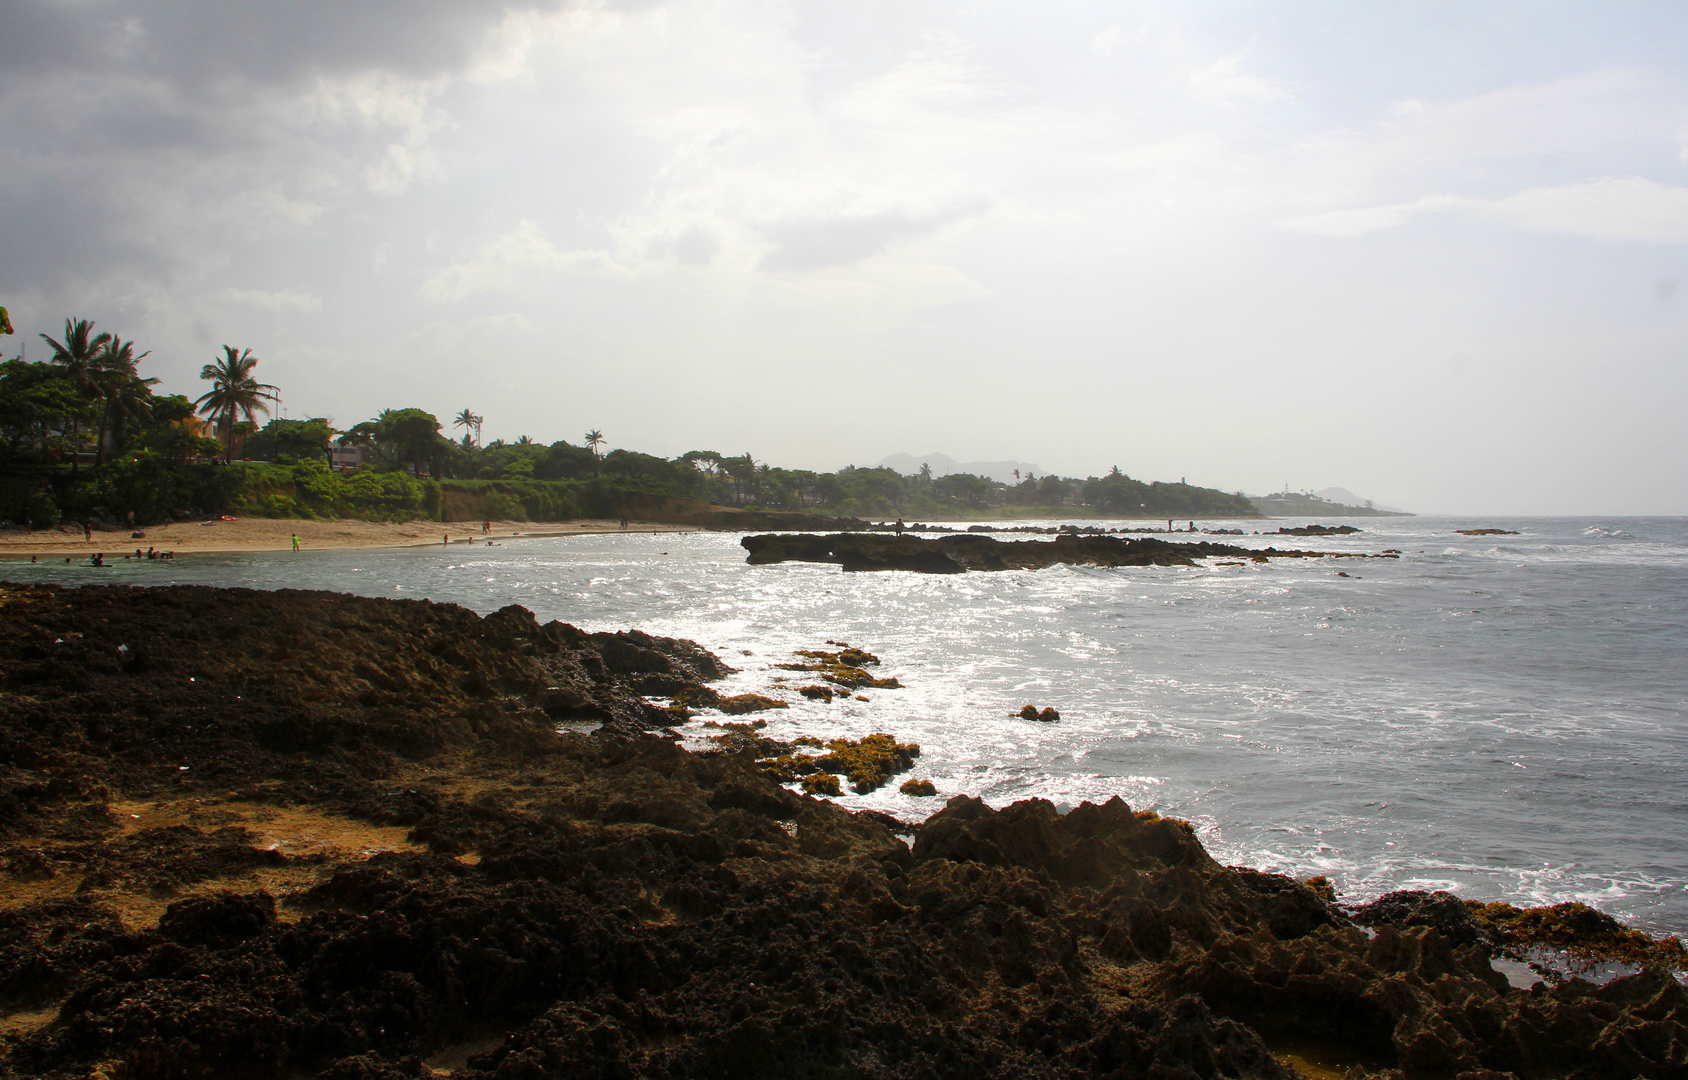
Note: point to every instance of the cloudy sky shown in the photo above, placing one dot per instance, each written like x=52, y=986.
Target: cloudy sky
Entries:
x=1434, y=253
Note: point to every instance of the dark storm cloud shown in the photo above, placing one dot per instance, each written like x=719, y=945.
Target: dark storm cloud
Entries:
x=129, y=129
x=264, y=41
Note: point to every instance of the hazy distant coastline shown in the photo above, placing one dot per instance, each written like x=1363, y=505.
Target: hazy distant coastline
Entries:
x=1297, y=504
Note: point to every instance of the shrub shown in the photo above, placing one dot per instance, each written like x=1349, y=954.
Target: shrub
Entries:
x=153, y=488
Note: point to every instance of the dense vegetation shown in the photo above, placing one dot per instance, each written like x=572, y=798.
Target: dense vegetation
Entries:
x=84, y=435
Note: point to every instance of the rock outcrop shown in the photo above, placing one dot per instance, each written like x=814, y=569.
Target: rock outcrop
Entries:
x=301, y=834
x=1319, y=530
x=960, y=552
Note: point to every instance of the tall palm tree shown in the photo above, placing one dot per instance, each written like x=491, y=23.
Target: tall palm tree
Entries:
x=79, y=355
x=123, y=392
x=594, y=439
x=468, y=421
x=234, y=390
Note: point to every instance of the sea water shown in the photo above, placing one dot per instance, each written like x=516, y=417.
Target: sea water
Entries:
x=1502, y=716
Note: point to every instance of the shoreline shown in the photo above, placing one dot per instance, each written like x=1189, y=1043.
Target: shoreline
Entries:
x=255, y=535
x=202, y=783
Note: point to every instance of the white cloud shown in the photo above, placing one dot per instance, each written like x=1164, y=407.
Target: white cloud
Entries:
x=274, y=301
x=1224, y=81
x=503, y=264
x=1614, y=208
x=1112, y=39
x=1016, y=210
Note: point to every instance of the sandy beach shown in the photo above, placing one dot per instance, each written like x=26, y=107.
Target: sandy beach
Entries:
x=275, y=534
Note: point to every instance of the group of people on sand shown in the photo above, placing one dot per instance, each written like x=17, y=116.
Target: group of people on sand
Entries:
x=486, y=527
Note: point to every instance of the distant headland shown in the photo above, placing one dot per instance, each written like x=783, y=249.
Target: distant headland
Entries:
x=87, y=442
x=1306, y=504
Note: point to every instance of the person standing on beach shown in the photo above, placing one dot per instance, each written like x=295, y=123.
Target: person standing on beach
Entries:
x=87, y=533
x=295, y=537
x=446, y=539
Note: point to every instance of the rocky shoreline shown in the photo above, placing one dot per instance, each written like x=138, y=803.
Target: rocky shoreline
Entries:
x=306, y=834
x=962, y=552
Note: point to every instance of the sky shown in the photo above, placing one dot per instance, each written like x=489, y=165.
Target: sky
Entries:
x=1434, y=253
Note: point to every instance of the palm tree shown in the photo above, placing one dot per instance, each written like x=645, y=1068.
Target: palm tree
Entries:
x=79, y=355
x=126, y=395
x=234, y=390
x=524, y=440
x=468, y=421
x=594, y=439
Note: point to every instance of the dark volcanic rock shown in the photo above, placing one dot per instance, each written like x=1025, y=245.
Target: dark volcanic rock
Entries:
x=962, y=551
x=610, y=905
x=1443, y=911
x=311, y=690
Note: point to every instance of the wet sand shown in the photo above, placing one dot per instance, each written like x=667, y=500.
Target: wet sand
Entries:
x=275, y=534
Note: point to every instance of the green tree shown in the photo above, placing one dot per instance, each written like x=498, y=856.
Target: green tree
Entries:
x=293, y=440
x=125, y=397
x=164, y=432
x=35, y=400
x=79, y=355
x=413, y=436
x=468, y=421
x=234, y=392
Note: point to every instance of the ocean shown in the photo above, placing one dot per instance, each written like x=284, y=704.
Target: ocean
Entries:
x=1505, y=717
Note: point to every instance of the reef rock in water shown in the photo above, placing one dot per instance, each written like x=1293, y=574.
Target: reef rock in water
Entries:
x=294, y=834
x=956, y=553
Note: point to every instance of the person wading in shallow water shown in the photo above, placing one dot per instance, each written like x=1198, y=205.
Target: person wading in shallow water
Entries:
x=295, y=537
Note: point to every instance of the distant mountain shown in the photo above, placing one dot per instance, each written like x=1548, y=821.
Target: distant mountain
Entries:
x=942, y=465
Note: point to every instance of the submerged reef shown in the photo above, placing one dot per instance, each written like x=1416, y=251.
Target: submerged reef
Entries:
x=961, y=552
x=299, y=834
